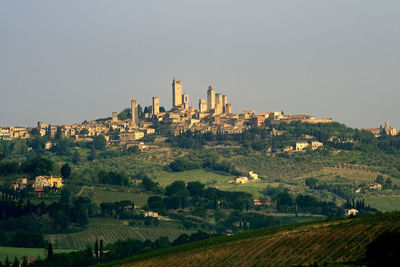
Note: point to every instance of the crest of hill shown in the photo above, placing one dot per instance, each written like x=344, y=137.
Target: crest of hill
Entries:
x=324, y=242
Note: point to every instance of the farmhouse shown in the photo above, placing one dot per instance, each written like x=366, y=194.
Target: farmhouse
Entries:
x=48, y=181
x=242, y=180
x=151, y=214
x=300, y=146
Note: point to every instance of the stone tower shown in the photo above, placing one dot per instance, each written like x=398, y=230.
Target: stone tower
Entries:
x=156, y=105
x=387, y=128
x=115, y=116
x=176, y=92
x=135, y=112
x=202, y=105
x=228, y=108
x=224, y=102
x=218, y=103
x=185, y=101
x=210, y=98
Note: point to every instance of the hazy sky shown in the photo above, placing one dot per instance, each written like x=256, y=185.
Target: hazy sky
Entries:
x=66, y=61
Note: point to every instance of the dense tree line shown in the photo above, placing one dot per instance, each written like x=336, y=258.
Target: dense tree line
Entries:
x=23, y=224
x=179, y=195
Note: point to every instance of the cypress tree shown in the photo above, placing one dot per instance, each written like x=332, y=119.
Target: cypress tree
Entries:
x=101, y=250
x=96, y=249
x=50, y=250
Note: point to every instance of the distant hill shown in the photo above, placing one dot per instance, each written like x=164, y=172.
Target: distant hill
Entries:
x=326, y=242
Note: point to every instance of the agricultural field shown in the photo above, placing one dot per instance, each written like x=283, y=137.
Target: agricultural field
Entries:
x=111, y=230
x=351, y=173
x=325, y=242
x=383, y=203
x=13, y=252
x=206, y=177
x=110, y=194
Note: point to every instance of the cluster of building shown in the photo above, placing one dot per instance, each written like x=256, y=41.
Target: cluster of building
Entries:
x=39, y=184
x=386, y=130
x=252, y=177
x=214, y=114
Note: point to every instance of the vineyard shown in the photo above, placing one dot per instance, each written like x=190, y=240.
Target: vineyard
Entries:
x=113, y=195
x=304, y=244
x=110, y=230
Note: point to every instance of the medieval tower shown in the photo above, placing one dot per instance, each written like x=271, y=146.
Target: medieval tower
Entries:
x=176, y=93
x=135, y=112
x=210, y=98
x=156, y=105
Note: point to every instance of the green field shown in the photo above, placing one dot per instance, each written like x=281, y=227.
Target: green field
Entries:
x=112, y=230
x=13, y=252
x=201, y=175
x=384, y=203
x=99, y=195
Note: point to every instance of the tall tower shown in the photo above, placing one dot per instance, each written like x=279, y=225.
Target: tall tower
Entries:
x=218, y=103
x=176, y=92
x=228, y=108
x=224, y=102
x=156, y=105
x=210, y=98
x=387, y=128
x=202, y=105
x=135, y=112
x=185, y=101
x=115, y=116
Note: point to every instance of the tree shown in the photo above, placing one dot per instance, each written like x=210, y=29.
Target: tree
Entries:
x=283, y=201
x=84, y=131
x=58, y=133
x=65, y=170
x=7, y=262
x=65, y=195
x=312, y=182
x=16, y=262
x=99, y=142
x=96, y=249
x=92, y=155
x=101, y=250
x=39, y=166
x=388, y=183
x=24, y=262
x=76, y=157
x=149, y=185
x=379, y=179
x=175, y=188
x=50, y=250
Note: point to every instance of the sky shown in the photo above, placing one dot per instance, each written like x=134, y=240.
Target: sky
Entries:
x=63, y=62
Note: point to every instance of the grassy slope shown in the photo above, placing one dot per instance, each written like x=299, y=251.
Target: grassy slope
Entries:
x=13, y=252
x=320, y=242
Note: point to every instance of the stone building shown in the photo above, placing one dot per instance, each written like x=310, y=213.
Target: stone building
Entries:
x=218, y=103
x=135, y=112
x=210, y=98
x=228, y=108
x=185, y=101
x=202, y=105
x=156, y=105
x=224, y=102
x=176, y=93
x=115, y=116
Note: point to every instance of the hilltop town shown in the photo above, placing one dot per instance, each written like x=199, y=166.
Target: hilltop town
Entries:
x=214, y=114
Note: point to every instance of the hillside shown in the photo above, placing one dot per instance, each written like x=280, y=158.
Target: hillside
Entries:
x=337, y=241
